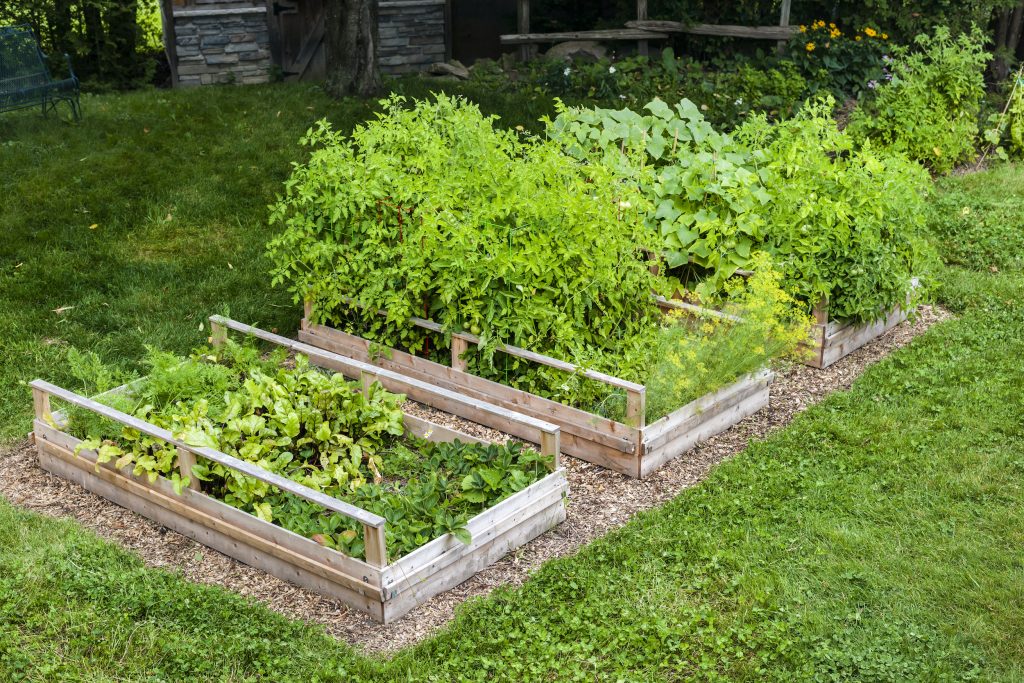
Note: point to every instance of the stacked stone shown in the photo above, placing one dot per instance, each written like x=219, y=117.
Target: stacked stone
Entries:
x=411, y=35
x=222, y=45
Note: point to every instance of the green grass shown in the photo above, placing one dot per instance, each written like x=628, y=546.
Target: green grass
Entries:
x=877, y=538
x=177, y=186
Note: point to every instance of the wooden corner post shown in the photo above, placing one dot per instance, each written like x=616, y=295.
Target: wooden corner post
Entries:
x=374, y=544
x=636, y=407
x=550, y=444
x=41, y=404
x=218, y=334
x=186, y=461
x=459, y=348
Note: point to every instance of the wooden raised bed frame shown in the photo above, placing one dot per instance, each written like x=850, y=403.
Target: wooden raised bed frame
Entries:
x=385, y=591
x=632, y=448
x=832, y=340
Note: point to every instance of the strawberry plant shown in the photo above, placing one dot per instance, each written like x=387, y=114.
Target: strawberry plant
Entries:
x=315, y=428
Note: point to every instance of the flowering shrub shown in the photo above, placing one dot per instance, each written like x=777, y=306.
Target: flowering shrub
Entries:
x=930, y=109
x=691, y=355
x=845, y=63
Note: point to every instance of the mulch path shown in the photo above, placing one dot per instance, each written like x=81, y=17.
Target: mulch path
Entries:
x=599, y=501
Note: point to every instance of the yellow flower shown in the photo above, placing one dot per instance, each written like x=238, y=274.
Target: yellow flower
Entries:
x=831, y=25
x=803, y=29
x=810, y=47
x=870, y=32
x=835, y=33
x=885, y=36
x=857, y=38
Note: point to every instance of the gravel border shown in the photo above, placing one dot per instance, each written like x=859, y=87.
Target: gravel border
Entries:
x=599, y=501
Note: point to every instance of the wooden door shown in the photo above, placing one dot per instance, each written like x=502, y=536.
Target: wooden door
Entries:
x=297, y=38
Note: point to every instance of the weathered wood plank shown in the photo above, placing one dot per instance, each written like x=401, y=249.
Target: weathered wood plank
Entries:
x=475, y=561
x=849, y=339
x=590, y=427
x=685, y=439
x=720, y=30
x=249, y=469
x=562, y=36
x=442, y=553
x=663, y=429
x=236, y=525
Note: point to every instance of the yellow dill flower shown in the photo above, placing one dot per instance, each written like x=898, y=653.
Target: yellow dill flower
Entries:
x=809, y=47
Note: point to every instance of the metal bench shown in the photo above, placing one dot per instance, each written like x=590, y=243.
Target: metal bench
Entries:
x=25, y=78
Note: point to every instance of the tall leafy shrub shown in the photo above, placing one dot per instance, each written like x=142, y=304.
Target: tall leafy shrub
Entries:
x=842, y=222
x=432, y=211
x=930, y=108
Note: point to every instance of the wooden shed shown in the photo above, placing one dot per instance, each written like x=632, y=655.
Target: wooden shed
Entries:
x=251, y=41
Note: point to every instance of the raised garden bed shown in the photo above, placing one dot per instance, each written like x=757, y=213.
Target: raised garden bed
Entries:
x=384, y=590
x=832, y=340
x=632, y=447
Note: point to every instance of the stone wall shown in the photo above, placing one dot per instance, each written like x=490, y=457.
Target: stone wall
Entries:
x=412, y=35
x=222, y=45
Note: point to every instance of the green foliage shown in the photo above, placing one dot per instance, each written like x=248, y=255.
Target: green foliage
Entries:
x=1006, y=133
x=841, y=223
x=316, y=429
x=726, y=91
x=111, y=42
x=846, y=223
x=929, y=109
x=430, y=211
x=844, y=62
x=875, y=538
x=692, y=355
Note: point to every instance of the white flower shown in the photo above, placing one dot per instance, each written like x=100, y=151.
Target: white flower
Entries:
x=567, y=71
x=622, y=97
x=624, y=205
x=739, y=101
x=611, y=69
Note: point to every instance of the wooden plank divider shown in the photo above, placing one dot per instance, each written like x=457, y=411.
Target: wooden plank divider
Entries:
x=246, y=468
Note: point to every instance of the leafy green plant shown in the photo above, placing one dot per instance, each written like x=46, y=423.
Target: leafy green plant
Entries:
x=693, y=354
x=929, y=109
x=841, y=223
x=843, y=62
x=312, y=427
x=846, y=222
x=431, y=211
x=1006, y=131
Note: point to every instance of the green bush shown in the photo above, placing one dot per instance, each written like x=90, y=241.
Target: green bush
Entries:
x=843, y=62
x=929, y=110
x=842, y=223
x=430, y=211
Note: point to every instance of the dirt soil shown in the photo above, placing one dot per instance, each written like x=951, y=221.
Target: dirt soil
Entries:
x=599, y=501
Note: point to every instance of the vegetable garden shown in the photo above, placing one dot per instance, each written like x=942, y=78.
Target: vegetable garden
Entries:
x=619, y=287
x=322, y=481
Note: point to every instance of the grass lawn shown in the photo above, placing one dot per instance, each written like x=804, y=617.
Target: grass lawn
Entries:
x=133, y=227
x=878, y=538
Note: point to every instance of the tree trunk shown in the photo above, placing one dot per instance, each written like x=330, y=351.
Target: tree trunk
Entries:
x=350, y=38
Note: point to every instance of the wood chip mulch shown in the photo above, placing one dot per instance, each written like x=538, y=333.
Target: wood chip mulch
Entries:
x=599, y=501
